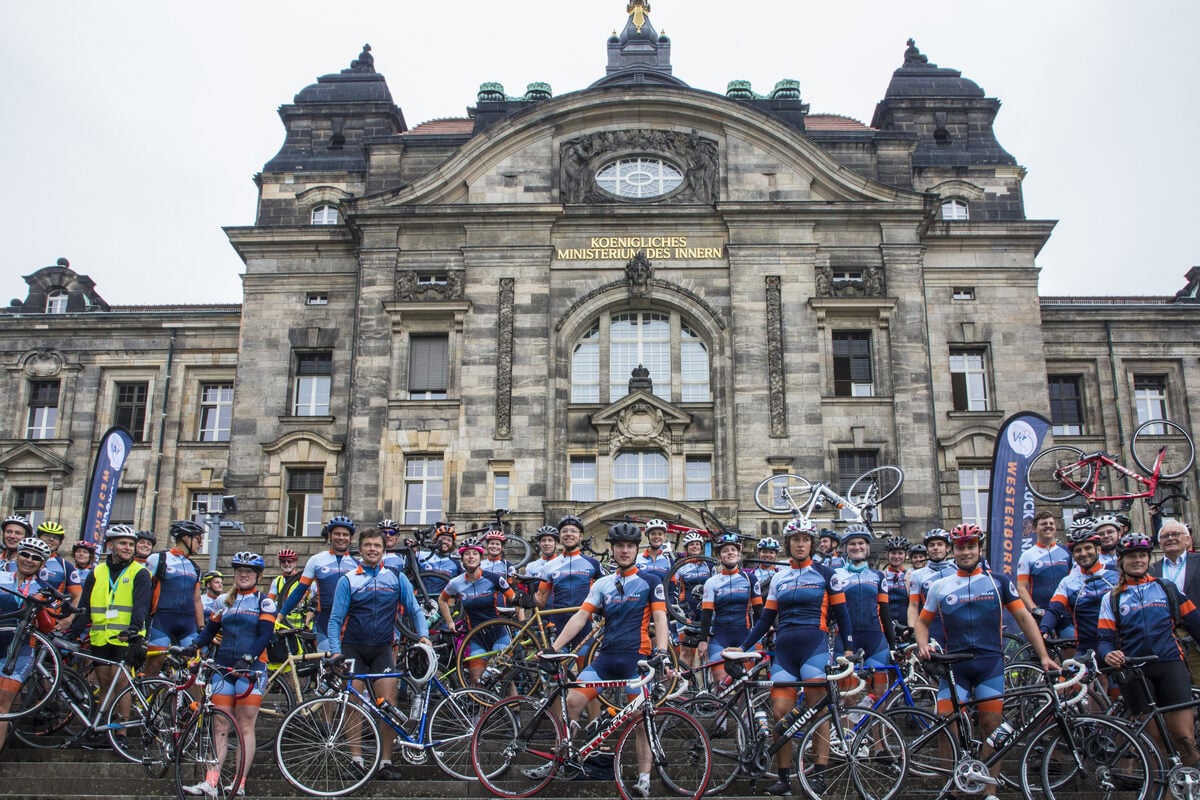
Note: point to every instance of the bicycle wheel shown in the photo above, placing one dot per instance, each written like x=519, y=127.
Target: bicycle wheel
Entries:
x=210, y=751
x=32, y=657
x=732, y=747
x=1056, y=472
x=278, y=701
x=327, y=747
x=62, y=721
x=875, y=485
x=146, y=733
x=932, y=748
x=684, y=580
x=782, y=494
x=517, y=551
x=679, y=750
x=1152, y=436
x=1100, y=755
x=451, y=724
x=516, y=749
x=867, y=759
x=510, y=668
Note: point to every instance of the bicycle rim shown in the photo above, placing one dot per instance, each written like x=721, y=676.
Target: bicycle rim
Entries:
x=57, y=724
x=43, y=669
x=210, y=751
x=931, y=749
x=451, y=725
x=729, y=740
x=516, y=748
x=1152, y=436
x=148, y=735
x=867, y=759
x=1056, y=471
x=317, y=744
x=679, y=749
x=875, y=486
x=1100, y=755
x=277, y=702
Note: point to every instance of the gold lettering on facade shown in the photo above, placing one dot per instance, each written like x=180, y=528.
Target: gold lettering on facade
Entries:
x=623, y=248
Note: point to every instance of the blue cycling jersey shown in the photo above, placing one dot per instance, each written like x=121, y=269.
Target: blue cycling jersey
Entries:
x=446, y=565
x=569, y=578
x=1078, y=598
x=322, y=570
x=688, y=585
x=177, y=589
x=54, y=572
x=626, y=600
x=864, y=591
x=1146, y=627
x=731, y=595
x=15, y=588
x=654, y=563
x=245, y=627
x=537, y=567
x=1040, y=570
x=479, y=595
x=497, y=566
x=895, y=581
x=365, y=604
x=971, y=607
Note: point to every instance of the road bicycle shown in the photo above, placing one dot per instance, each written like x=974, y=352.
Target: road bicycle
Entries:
x=207, y=746
x=522, y=743
x=330, y=746
x=284, y=690
x=797, y=496
x=1161, y=449
x=517, y=550
x=28, y=651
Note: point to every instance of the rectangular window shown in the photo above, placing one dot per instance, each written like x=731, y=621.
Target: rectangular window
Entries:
x=205, y=503
x=583, y=479
x=433, y=279
x=30, y=503
x=697, y=479
x=314, y=379
x=968, y=379
x=124, y=507
x=43, y=410
x=423, y=490
x=428, y=366
x=851, y=464
x=216, y=411
x=317, y=299
x=585, y=368
x=852, y=373
x=500, y=490
x=304, y=502
x=847, y=276
x=1066, y=405
x=640, y=473
x=974, y=486
x=1150, y=399
x=131, y=408
x=963, y=293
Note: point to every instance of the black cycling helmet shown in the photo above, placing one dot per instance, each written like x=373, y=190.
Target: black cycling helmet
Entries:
x=147, y=536
x=185, y=527
x=918, y=550
x=547, y=530
x=896, y=543
x=625, y=532
x=828, y=533
x=571, y=519
x=388, y=526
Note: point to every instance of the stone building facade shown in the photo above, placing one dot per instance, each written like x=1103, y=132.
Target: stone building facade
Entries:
x=639, y=297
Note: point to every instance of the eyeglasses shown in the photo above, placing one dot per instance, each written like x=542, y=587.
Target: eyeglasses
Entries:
x=31, y=556
x=1171, y=535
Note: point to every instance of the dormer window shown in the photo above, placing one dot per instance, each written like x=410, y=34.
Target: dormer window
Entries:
x=56, y=302
x=325, y=215
x=955, y=210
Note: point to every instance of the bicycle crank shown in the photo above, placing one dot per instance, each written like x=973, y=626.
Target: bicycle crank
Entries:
x=1184, y=782
x=971, y=776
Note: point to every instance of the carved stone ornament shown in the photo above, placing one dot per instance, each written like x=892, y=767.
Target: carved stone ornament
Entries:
x=43, y=364
x=639, y=272
x=504, y=360
x=777, y=397
x=872, y=283
x=641, y=424
x=582, y=156
x=410, y=287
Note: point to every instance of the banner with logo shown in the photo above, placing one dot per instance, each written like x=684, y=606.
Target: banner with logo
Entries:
x=1010, y=503
x=106, y=475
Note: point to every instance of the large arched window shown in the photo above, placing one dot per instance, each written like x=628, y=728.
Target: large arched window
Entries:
x=641, y=473
x=662, y=342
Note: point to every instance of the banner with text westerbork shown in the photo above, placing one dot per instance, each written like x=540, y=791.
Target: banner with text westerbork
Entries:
x=106, y=475
x=1010, y=503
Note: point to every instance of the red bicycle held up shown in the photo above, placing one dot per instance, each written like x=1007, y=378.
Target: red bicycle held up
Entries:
x=1161, y=449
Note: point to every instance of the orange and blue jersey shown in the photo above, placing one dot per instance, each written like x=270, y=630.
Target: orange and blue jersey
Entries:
x=802, y=597
x=245, y=626
x=55, y=572
x=1040, y=570
x=731, y=596
x=865, y=592
x=971, y=605
x=654, y=563
x=1078, y=598
x=365, y=604
x=323, y=570
x=895, y=581
x=1146, y=627
x=568, y=578
x=479, y=596
x=175, y=594
x=626, y=599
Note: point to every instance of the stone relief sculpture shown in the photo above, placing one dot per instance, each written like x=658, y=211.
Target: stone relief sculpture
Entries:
x=697, y=156
x=409, y=286
x=869, y=281
x=639, y=272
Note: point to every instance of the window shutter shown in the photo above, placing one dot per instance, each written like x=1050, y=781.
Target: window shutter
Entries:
x=428, y=367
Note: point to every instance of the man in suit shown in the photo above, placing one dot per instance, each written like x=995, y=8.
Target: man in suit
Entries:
x=1180, y=567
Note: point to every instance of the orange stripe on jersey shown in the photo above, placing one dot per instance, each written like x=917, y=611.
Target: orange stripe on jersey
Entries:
x=771, y=605
x=708, y=604
x=657, y=605
x=588, y=607
x=646, y=630
x=1058, y=598
x=756, y=600
x=1014, y=606
x=1023, y=579
x=927, y=615
x=306, y=581
x=824, y=623
x=1186, y=607
x=1107, y=624
x=882, y=597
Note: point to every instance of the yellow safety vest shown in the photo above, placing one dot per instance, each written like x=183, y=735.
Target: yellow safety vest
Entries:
x=112, y=605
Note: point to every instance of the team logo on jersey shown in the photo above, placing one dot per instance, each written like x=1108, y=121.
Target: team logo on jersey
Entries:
x=1012, y=589
x=44, y=574
x=1125, y=609
x=324, y=570
x=838, y=583
x=658, y=592
x=268, y=606
x=951, y=599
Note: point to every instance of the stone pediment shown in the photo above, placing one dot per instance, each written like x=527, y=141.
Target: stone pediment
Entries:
x=28, y=458
x=641, y=420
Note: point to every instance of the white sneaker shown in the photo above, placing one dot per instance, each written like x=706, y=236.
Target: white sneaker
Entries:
x=537, y=773
x=202, y=788
x=641, y=788
x=240, y=792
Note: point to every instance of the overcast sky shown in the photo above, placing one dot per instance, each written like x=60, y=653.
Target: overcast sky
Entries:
x=131, y=130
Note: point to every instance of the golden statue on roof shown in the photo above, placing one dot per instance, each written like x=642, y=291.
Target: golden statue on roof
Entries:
x=639, y=9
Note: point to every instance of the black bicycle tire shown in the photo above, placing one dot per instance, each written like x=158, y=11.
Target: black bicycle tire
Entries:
x=513, y=542
x=774, y=509
x=497, y=732
x=854, y=762
x=1097, y=745
x=453, y=756
x=154, y=729
x=286, y=700
x=924, y=733
x=507, y=677
x=45, y=653
x=727, y=747
x=428, y=606
x=1047, y=460
x=1177, y=430
x=201, y=727
x=697, y=756
x=55, y=717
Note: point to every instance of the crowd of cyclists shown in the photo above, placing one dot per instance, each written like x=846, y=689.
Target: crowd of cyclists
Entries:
x=803, y=600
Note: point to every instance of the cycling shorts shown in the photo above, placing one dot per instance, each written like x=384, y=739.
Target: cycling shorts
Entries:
x=875, y=648
x=611, y=667
x=1170, y=683
x=169, y=629
x=370, y=658
x=22, y=665
x=722, y=638
x=981, y=679
x=226, y=692
x=801, y=654
x=489, y=644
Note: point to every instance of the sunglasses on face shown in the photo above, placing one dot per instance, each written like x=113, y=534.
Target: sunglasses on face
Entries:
x=31, y=556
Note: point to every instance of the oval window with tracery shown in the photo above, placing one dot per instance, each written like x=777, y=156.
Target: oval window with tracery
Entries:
x=639, y=177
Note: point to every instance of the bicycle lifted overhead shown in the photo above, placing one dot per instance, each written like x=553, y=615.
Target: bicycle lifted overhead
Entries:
x=797, y=496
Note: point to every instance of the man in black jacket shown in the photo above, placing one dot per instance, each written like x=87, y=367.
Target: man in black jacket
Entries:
x=1178, y=566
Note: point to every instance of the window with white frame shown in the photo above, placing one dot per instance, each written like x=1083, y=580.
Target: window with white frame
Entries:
x=955, y=210
x=640, y=473
x=501, y=490
x=1066, y=405
x=317, y=299
x=30, y=503
x=56, y=302
x=697, y=478
x=962, y=293
x=325, y=215
x=43, y=410
x=305, y=501
x=314, y=381
x=130, y=412
x=216, y=411
x=968, y=379
x=974, y=486
x=675, y=355
x=428, y=366
x=583, y=479
x=1150, y=400
x=852, y=371
x=423, y=476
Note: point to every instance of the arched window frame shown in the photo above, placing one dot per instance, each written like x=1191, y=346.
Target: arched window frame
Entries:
x=56, y=301
x=955, y=209
x=325, y=214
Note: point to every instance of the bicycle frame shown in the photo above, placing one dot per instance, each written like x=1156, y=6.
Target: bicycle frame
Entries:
x=1097, y=464
x=415, y=741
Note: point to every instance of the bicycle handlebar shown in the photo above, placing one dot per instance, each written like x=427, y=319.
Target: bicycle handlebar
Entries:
x=1075, y=679
x=847, y=671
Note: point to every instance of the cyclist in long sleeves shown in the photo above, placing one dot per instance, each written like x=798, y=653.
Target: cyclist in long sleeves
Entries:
x=362, y=620
x=800, y=602
x=324, y=570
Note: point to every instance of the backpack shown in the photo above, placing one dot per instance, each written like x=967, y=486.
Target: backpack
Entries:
x=160, y=569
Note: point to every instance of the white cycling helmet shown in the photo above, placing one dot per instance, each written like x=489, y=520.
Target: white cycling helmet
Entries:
x=655, y=523
x=693, y=536
x=421, y=663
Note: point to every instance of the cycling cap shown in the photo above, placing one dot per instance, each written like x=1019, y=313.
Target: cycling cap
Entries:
x=768, y=543
x=937, y=533
x=1133, y=542
x=247, y=559
x=966, y=532
x=655, y=524
x=51, y=528
x=34, y=547
x=121, y=532
x=339, y=521
x=17, y=519
x=625, y=532
x=697, y=536
x=896, y=543
x=856, y=531
x=547, y=530
x=185, y=527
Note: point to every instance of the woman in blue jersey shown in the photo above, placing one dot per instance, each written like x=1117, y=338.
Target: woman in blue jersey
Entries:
x=1138, y=619
x=799, y=604
x=245, y=619
x=689, y=591
x=478, y=592
x=730, y=605
x=867, y=601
